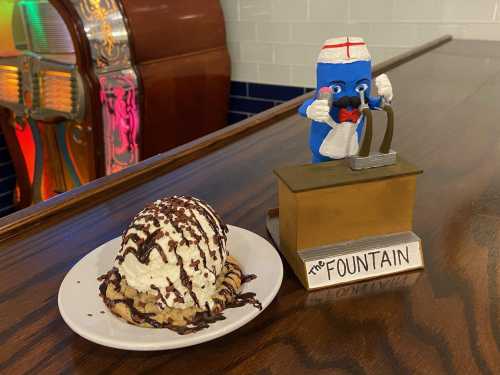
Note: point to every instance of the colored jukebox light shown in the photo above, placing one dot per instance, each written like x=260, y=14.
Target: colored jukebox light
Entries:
x=47, y=32
x=8, y=68
x=56, y=91
x=10, y=84
x=7, y=46
x=27, y=143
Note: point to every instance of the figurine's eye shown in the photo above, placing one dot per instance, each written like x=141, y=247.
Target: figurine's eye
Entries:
x=336, y=89
x=362, y=87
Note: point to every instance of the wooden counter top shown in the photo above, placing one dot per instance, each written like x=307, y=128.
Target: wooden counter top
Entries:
x=442, y=320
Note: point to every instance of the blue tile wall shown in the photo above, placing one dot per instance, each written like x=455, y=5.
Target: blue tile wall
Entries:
x=246, y=99
x=5, y=200
x=4, y=153
x=239, y=89
x=6, y=169
x=7, y=179
x=249, y=105
x=274, y=92
x=233, y=117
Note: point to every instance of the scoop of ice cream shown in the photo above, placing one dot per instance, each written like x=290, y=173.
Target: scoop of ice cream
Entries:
x=175, y=248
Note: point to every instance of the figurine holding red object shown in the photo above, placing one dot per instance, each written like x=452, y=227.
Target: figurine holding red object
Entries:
x=343, y=75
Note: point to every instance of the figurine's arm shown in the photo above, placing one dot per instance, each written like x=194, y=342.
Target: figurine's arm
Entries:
x=303, y=107
x=384, y=87
x=384, y=91
x=317, y=110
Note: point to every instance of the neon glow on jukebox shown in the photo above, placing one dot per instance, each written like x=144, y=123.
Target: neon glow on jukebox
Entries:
x=89, y=87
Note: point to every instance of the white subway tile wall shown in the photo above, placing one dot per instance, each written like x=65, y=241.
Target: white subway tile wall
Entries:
x=257, y=52
x=277, y=41
x=274, y=73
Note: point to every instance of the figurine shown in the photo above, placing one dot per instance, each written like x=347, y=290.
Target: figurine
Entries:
x=343, y=75
x=335, y=220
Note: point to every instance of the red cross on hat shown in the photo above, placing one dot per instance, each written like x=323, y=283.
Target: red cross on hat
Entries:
x=344, y=50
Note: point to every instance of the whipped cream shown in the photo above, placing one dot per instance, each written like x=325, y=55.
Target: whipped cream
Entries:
x=175, y=248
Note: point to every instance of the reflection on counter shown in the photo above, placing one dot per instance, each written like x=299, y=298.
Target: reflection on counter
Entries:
x=75, y=85
x=389, y=284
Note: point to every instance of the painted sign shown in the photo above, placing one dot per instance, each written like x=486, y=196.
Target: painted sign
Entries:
x=364, y=259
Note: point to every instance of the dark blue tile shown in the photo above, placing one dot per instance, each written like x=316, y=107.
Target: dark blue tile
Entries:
x=6, y=210
x=238, y=88
x=275, y=92
x=234, y=117
x=249, y=105
x=6, y=170
x=7, y=184
x=6, y=200
x=4, y=156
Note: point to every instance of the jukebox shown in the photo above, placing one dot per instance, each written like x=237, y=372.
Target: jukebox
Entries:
x=89, y=87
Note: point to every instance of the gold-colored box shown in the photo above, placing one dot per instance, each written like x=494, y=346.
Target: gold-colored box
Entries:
x=328, y=203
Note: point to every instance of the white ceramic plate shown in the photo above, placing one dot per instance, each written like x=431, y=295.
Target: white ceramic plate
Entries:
x=82, y=308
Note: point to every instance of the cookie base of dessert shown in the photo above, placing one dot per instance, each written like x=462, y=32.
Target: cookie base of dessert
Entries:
x=142, y=308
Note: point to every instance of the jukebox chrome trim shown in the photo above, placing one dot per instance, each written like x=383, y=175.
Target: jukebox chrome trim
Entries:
x=109, y=42
x=108, y=37
x=120, y=112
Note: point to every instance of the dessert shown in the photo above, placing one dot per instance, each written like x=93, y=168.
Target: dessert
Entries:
x=173, y=269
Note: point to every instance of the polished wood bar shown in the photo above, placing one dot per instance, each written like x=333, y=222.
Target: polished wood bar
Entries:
x=444, y=319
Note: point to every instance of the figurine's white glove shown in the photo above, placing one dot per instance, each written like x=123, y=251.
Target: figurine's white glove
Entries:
x=384, y=87
x=319, y=110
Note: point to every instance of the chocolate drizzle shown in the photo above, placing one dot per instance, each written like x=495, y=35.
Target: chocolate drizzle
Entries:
x=241, y=299
x=144, y=246
x=160, y=296
x=113, y=277
x=171, y=288
x=244, y=299
x=248, y=278
x=204, y=234
x=185, y=280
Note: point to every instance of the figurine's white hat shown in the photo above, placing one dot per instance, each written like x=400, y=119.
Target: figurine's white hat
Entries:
x=345, y=49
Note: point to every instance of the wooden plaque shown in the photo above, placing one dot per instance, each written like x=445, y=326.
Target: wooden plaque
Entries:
x=330, y=213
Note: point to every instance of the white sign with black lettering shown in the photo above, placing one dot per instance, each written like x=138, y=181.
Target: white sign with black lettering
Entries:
x=363, y=259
